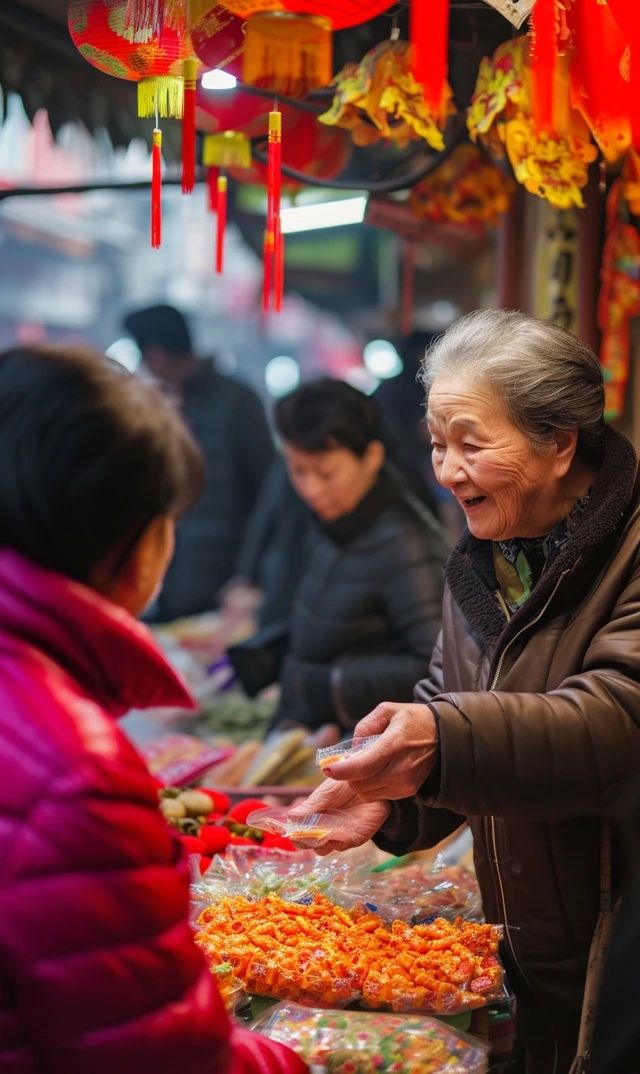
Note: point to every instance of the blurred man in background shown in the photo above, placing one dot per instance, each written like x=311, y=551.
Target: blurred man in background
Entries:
x=227, y=419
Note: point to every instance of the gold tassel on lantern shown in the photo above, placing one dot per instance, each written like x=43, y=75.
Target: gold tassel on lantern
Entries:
x=162, y=96
x=287, y=54
x=229, y=149
x=145, y=18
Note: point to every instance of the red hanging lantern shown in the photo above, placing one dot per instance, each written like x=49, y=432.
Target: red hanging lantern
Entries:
x=288, y=47
x=231, y=110
x=218, y=39
x=100, y=31
x=308, y=146
x=112, y=36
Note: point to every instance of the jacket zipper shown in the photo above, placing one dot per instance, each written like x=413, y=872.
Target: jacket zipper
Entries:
x=492, y=820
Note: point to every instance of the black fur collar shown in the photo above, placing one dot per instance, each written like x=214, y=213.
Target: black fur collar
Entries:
x=469, y=569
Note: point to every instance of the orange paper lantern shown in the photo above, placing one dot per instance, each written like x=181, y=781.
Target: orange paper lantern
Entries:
x=341, y=13
x=288, y=47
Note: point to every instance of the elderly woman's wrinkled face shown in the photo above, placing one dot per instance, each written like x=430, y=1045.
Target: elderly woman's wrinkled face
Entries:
x=504, y=486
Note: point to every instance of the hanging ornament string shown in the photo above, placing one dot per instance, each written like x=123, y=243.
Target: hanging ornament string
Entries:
x=274, y=148
x=221, y=220
x=189, y=125
x=278, y=269
x=156, y=185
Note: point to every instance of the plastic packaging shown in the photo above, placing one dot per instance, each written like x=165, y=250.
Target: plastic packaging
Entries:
x=178, y=759
x=318, y=953
x=255, y=872
x=307, y=829
x=418, y=893
x=353, y=1042
x=331, y=754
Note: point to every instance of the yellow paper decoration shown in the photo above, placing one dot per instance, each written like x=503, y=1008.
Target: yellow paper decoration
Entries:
x=467, y=188
x=379, y=98
x=552, y=165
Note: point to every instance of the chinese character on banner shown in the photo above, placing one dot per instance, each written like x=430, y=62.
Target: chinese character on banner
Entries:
x=516, y=11
x=555, y=272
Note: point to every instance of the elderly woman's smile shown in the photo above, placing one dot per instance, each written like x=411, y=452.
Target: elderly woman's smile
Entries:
x=506, y=485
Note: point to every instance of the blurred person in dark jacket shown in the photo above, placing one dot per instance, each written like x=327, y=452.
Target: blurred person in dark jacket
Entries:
x=228, y=422
x=366, y=613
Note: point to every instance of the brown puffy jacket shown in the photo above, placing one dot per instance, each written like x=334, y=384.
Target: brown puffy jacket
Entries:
x=539, y=725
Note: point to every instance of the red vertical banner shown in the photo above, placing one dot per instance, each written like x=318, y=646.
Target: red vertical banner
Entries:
x=190, y=68
x=544, y=58
x=221, y=220
x=627, y=15
x=156, y=189
x=429, y=36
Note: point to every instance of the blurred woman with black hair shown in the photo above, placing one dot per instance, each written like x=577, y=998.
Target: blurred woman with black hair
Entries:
x=366, y=612
x=98, y=969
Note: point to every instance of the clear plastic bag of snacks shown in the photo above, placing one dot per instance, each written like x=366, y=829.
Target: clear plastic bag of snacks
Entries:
x=327, y=755
x=354, y=1042
x=255, y=872
x=417, y=892
x=304, y=829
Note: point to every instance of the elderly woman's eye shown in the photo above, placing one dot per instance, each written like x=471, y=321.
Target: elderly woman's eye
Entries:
x=471, y=447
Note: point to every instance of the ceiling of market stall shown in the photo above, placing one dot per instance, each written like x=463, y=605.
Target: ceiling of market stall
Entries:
x=356, y=272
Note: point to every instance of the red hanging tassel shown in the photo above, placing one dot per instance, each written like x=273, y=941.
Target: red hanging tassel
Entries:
x=544, y=56
x=221, y=219
x=278, y=270
x=273, y=205
x=189, y=126
x=212, y=189
x=156, y=189
x=268, y=254
x=429, y=35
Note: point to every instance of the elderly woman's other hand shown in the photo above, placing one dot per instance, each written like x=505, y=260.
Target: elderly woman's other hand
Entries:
x=361, y=819
x=397, y=764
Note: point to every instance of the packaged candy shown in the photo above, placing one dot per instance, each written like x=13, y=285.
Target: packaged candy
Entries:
x=318, y=953
x=354, y=1042
x=331, y=754
x=417, y=893
x=177, y=759
x=305, y=829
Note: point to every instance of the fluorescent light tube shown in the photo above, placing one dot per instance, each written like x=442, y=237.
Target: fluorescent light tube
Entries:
x=322, y=214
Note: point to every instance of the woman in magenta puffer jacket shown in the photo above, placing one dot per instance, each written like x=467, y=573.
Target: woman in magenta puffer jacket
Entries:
x=98, y=969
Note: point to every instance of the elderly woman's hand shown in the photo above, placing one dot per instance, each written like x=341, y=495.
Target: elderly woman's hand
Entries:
x=361, y=819
x=397, y=765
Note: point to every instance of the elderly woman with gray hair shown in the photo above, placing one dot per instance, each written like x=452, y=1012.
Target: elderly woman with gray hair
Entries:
x=527, y=724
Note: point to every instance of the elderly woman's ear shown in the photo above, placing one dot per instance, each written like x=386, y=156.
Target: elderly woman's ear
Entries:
x=565, y=443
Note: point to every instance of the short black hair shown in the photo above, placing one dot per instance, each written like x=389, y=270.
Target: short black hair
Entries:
x=89, y=455
x=325, y=414
x=161, y=325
